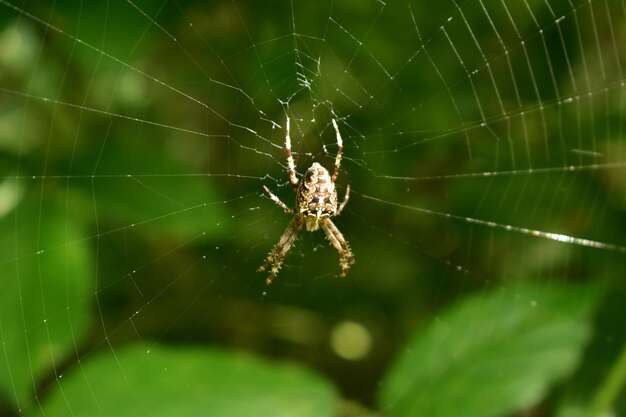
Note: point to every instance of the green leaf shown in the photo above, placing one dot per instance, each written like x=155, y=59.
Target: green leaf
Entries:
x=492, y=354
x=44, y=292
x=158, y=381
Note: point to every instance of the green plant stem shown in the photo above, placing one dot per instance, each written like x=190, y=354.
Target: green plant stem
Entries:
x=608, y=391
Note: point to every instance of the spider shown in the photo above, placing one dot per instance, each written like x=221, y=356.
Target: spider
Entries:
x=316, y=203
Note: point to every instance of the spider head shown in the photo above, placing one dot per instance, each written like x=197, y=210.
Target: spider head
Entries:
x=316, y=197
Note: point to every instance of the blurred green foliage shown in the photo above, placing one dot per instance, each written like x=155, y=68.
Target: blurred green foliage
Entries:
x=134, y=141
x=145, y=380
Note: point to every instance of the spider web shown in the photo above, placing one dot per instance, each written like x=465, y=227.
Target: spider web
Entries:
x=483, y=143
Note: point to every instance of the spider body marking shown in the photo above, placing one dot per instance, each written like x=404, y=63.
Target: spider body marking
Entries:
x=316, y=203
x=316, y=197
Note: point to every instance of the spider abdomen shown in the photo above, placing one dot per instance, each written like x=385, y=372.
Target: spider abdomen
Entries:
x=317, y=196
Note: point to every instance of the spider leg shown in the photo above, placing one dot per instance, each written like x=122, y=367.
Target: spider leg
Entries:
x=346, y=258
x=292, y=166
x=277, y=201
x=339, y=151
x=344, y=202
x=275, y=257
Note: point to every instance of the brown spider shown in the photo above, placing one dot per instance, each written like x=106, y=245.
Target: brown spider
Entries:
x=316, y=203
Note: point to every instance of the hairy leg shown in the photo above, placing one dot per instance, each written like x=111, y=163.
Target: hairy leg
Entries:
x=344, y=202
x=339, y=151
x=275, y=257
x=292, y=166
x=346, y=258
x=276, y=200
